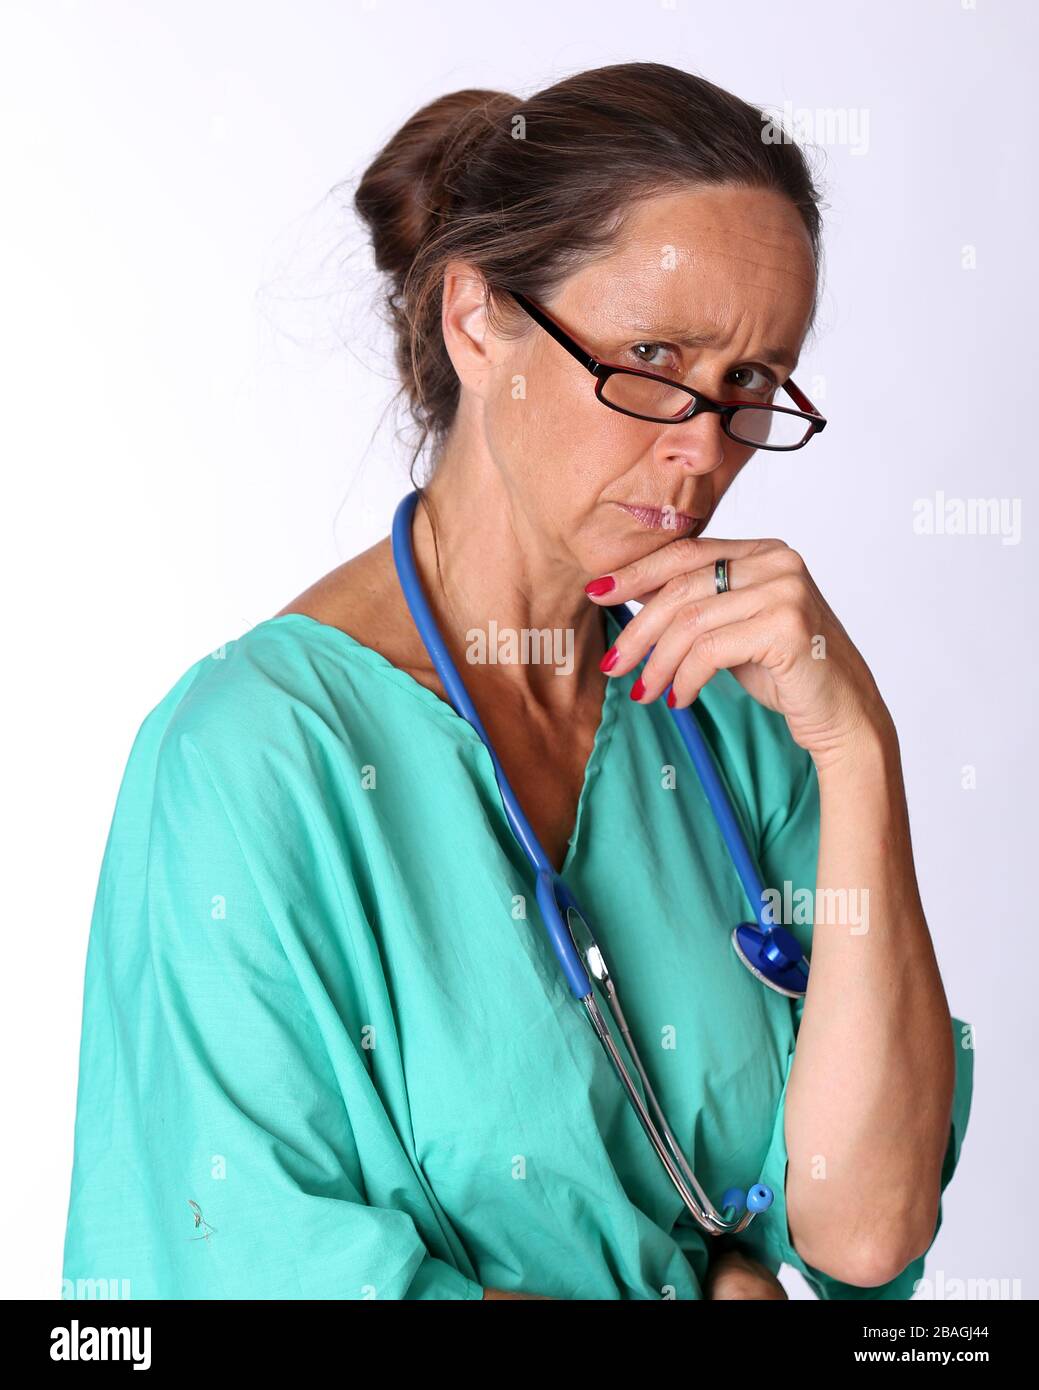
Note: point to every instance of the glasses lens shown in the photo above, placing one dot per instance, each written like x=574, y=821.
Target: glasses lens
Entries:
x=644, y=396
x=772, y=429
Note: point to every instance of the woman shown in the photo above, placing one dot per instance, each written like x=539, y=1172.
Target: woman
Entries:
x=327, y=1050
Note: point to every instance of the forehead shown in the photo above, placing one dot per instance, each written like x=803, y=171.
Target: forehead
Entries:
x=727, y=256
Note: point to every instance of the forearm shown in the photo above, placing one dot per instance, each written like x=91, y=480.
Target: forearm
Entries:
x=870, y=1094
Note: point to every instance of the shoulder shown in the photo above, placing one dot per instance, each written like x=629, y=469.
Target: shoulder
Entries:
x=331, y=679
x=248, y=775
x=363, y=599
x=282, y=690
x=274, y=715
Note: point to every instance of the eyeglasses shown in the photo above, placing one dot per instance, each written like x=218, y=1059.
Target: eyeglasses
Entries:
x=649, y=396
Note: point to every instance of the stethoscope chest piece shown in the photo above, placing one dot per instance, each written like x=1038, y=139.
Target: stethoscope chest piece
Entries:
x=773, y=957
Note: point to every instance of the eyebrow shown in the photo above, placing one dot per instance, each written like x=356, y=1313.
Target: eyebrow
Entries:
x=783, y=356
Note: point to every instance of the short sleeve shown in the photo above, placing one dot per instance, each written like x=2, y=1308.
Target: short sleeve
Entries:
x=789, y=855
x=231, y=1139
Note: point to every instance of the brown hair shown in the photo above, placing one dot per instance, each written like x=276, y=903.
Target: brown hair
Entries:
x=526, y=191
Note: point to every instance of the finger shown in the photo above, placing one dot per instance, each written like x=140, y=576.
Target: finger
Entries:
x=753, y=641
x=652, y=571
x=689, y=590
x=686, y=625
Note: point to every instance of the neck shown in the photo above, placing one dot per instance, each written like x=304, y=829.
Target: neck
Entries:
x=508, y=599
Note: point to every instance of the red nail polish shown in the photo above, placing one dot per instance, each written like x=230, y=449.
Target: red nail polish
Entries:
x=609, y=661
x=670, y=699
x=638, y=689
x=601, y=586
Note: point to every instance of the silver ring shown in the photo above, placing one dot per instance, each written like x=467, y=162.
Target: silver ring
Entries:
x=721, y=576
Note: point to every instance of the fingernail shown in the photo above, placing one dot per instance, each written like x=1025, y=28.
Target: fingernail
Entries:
x=670, y=699
x=638, y=689
x=609, y=661
x=601, y=586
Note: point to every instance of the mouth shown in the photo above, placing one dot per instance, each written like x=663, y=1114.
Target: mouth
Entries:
x=665, y=519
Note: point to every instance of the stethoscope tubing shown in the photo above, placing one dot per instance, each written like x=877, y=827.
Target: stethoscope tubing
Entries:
x=717, y=795
x=404, y=557
x=556, y=899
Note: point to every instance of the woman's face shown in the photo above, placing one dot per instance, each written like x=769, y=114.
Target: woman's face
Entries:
x=730, y=269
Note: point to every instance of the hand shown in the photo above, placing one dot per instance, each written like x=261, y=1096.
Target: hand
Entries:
x=734, y=1275
x=773, y=630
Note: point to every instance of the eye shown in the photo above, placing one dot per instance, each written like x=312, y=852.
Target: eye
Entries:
x=756, y=381
x=653, y=356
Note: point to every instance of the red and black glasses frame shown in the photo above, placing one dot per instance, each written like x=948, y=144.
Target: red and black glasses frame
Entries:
x=699, y=403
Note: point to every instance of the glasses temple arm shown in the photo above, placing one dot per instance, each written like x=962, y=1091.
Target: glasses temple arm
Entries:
x=550, y=326
x=802, y=402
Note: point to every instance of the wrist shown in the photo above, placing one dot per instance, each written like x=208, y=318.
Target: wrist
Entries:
x=870, y=749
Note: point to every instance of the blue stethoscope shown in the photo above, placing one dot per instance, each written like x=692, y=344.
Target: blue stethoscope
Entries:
x=770, y=952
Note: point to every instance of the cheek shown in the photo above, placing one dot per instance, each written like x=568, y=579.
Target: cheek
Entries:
x=552, y=431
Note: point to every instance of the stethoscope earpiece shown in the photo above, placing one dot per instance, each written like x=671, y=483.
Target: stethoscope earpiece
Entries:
x=758, y=1199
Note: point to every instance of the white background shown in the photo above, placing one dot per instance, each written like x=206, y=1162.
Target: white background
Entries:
x=194, y=426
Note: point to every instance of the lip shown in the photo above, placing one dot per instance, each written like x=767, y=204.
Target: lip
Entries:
x=656, y=519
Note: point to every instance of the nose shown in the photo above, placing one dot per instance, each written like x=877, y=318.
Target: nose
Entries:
x=697, y=445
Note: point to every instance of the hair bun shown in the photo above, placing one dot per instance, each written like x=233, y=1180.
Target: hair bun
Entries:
x=406, y=190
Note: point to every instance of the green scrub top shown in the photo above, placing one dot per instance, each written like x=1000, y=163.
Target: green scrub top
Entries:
x=327, y=1049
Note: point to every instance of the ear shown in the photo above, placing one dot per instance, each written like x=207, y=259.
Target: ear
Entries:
x=471, y=344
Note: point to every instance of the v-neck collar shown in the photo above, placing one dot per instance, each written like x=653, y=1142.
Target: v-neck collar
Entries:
x=463, y=729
